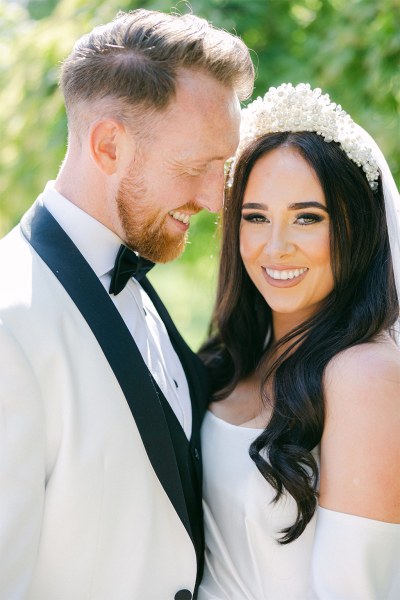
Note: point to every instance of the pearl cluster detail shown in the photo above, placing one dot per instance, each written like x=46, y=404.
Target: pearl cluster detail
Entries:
x=300, y=108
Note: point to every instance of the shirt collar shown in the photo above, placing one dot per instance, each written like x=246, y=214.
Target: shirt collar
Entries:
x=97, y=244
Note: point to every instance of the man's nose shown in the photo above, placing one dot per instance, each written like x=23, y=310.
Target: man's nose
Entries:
x=210, y=194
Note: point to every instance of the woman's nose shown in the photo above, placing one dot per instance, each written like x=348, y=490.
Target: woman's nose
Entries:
x=279, y=242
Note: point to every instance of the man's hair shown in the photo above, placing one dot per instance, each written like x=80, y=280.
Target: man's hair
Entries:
x=134, y=60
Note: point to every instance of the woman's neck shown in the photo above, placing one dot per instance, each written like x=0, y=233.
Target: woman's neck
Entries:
x=282, y=324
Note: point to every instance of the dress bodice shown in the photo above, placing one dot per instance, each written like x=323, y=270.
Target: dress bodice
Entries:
x=242, y=524
x=244, y=561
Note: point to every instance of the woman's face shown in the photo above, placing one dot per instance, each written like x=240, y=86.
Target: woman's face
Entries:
x=284, y=235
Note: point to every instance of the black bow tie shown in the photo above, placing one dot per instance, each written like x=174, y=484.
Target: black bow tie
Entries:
x=128, y=264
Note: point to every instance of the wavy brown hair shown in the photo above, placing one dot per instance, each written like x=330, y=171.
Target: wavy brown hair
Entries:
x=362, y=304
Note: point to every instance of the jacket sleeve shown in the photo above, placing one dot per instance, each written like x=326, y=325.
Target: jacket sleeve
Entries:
x=22, y=468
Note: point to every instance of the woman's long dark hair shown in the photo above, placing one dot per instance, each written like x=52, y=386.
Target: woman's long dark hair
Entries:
x=362, y=304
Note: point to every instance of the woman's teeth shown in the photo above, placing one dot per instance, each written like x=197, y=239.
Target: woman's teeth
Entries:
x=289, y=274
x=179, y=216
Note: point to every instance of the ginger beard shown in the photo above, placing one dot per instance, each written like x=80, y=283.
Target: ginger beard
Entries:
x=146, y=229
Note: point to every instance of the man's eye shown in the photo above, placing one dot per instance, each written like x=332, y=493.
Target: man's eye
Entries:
x=193, y=171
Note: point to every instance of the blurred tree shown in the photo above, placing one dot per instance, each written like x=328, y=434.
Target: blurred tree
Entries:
x=349, y=48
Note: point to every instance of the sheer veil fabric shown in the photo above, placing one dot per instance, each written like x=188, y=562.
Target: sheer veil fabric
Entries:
x=392, y=206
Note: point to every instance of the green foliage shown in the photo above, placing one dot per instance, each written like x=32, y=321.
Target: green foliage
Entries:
x=349, y=48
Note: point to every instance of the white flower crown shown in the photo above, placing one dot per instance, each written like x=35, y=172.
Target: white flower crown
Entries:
x=295, y=109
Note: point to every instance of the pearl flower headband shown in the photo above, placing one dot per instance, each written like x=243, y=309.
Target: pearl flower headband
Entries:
x=295, y=109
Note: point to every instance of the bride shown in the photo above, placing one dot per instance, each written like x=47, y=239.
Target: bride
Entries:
x=301, y=444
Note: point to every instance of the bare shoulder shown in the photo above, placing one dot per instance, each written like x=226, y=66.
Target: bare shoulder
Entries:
x=360, y=446
x=366, y=374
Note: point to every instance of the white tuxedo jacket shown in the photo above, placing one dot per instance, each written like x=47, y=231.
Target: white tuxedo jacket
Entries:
x=91, y=500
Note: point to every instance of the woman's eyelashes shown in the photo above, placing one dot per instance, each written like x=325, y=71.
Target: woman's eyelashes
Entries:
x=254, y=217
x=299, y=219
x=309, y=218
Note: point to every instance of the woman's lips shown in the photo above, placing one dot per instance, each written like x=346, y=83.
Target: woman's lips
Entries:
x=284, y=277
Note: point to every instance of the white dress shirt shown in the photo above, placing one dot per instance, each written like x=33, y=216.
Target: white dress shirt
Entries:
x=99, y=247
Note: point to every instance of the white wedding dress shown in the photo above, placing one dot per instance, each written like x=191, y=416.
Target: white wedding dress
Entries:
x=338, y=557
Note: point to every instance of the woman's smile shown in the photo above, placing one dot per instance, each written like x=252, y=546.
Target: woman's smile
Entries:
x=284, y=276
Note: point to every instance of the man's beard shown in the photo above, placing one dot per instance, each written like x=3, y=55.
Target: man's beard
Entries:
x=146, y=231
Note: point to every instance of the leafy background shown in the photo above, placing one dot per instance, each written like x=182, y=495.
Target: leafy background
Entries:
x=349, y=48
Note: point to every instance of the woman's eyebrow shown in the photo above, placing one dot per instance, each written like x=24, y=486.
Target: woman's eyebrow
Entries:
x=255, y=205
x=295, y=206
x=302, y=205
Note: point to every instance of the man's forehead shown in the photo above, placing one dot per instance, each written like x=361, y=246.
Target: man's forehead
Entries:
x=196, y=90
x=202, y=120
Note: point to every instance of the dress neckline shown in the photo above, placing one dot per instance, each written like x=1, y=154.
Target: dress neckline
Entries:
x=232, y=425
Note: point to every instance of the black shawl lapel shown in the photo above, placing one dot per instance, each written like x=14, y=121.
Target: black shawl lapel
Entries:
x=81, y=283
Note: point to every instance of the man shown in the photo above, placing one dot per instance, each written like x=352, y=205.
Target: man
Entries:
x=101, y=400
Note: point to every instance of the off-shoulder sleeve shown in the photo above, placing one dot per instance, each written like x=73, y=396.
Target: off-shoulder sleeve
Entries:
x=355, y=558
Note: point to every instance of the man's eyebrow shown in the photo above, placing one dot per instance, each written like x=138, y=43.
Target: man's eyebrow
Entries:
x=295, y=206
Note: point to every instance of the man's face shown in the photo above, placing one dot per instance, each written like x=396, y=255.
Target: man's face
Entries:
x=179, y=169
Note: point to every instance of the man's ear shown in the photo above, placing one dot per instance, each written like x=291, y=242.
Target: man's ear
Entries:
x=105, y=139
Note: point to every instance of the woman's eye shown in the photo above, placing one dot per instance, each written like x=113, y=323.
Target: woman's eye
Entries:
x=308, y=219
x=255, y=218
